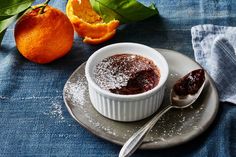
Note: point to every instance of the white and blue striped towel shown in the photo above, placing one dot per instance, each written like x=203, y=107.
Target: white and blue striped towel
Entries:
x=214, y=48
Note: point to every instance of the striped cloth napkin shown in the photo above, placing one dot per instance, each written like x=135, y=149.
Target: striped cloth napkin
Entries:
x=214, y=48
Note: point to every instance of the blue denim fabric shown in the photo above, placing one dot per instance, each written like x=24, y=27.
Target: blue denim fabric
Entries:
x=35, y=122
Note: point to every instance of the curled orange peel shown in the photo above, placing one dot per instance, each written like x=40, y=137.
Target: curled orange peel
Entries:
x=88, y=24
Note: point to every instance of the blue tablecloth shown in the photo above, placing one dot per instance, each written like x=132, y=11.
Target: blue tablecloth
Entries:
x=35, y=121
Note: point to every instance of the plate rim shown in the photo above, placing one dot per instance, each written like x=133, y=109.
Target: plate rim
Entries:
x=149, y=145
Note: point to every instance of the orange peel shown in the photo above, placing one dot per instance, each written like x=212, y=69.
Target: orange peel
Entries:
x=88, y=24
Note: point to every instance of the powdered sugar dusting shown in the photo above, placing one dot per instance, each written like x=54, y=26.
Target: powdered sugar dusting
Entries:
x=115, y=71
x=75, y=91
x=55, y=111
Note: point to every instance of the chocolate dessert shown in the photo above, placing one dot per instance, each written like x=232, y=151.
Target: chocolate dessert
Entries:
x=126, y=74
x=190, y=83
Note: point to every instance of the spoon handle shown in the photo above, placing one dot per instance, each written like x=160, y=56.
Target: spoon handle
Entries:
x=136, y=139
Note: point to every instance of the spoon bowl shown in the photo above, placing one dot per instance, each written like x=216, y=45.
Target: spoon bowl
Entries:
x=185, y=101
x=176, y=101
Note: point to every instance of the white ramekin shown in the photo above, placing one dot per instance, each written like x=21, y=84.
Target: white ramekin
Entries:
x=126, y=107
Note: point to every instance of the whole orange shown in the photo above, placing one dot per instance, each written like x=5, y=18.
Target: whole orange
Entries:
x=44, y=35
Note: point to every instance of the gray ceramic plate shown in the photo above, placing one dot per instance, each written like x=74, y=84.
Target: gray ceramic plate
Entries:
x=175, y=127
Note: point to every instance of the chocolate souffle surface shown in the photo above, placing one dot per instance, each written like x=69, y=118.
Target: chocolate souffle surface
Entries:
x=126, y=74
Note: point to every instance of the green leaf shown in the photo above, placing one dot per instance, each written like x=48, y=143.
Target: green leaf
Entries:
x=13, y=7
x=6, y=22
x=1, y=36
x=125, y=11
x=4, y=17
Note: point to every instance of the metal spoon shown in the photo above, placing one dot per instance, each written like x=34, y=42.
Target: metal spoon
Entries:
x=175, y=102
